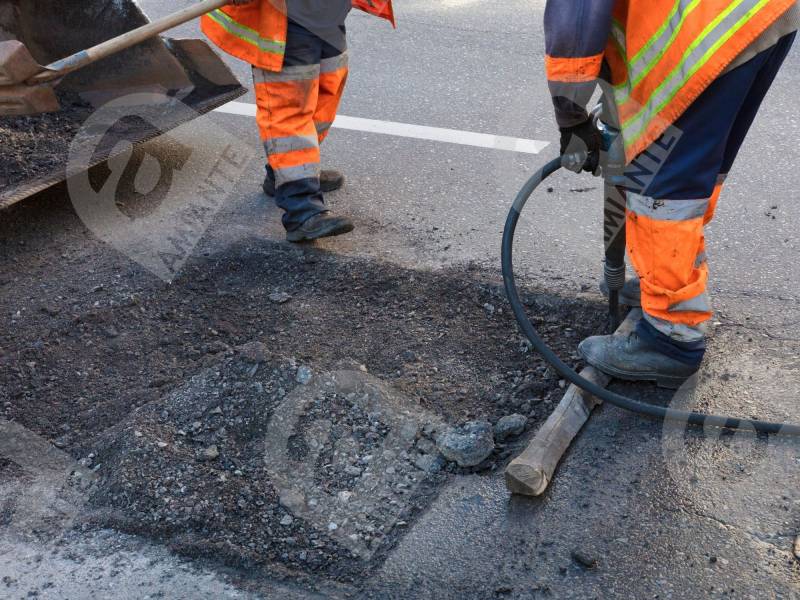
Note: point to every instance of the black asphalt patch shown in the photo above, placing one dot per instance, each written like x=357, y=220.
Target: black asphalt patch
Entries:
x=186, y=381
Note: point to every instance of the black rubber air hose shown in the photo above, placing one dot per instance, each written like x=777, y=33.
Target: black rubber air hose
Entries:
x=569, y=374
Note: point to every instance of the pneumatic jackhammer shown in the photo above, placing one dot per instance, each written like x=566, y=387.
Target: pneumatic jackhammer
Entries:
x=612, y=165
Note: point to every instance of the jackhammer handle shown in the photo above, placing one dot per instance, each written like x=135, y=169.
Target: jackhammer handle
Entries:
x=530, y=473
x=83, y=58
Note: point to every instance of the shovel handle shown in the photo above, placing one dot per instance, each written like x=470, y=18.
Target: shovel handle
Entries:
x=81, y=59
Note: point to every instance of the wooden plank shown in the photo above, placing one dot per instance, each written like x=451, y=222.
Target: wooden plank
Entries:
x=531, y=472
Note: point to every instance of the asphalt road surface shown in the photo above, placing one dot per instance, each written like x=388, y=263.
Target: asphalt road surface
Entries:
x=664, y=515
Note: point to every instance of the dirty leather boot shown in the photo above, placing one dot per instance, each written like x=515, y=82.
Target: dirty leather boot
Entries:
x=629, y=358
x=329, y=181
x=629, y=295
x=325, y=224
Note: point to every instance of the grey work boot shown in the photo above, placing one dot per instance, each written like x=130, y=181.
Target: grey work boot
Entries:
x=629, y=295
x=325, y=224
x=627, y=357
x=329, y=181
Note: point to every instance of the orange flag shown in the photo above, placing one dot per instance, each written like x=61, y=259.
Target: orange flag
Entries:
x=379, y=8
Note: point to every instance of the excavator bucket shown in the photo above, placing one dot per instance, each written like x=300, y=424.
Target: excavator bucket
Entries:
x=166, y=74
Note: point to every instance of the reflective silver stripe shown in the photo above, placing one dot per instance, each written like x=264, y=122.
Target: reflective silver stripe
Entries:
x=282, y=145
x=619, y=35
x=329, y=65
x=699, y=303
x=701, y=258
x=693, y=60
x=667, y=210
x=721, y=178
x=246, y=34
x=643, y=63
x=678, y=331
x=322, y=126
x=289, y=174
x=296, y=73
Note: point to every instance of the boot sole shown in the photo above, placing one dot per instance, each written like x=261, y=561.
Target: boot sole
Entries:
x=669, y=382
x=330, y=230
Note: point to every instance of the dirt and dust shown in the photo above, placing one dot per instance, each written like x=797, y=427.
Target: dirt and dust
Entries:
x=34, y=146
x=245, y=465
x=169, y=391
x=80, y=350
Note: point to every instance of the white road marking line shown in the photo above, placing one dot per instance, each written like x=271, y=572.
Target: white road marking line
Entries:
x=419, y=132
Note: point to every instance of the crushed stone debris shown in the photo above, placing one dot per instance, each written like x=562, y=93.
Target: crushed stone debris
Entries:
x=193, y=369
x=583, y=559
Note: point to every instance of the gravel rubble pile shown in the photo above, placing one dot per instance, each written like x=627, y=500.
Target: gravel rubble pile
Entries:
x=208, y=471
x=206, y=435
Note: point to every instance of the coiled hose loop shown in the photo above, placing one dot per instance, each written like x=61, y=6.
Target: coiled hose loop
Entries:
x=568, y=373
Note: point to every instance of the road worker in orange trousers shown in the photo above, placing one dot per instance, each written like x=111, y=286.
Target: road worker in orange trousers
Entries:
x=687, y=78
x=298, y=52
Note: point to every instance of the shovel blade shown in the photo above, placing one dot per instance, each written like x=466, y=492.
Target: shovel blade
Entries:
x=21, y=100
x=17, y=65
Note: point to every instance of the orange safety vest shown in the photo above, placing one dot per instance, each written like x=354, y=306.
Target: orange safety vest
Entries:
x=256, y=32
x=664, y=54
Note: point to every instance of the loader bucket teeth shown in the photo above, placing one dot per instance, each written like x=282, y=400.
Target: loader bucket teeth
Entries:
x=16, y=62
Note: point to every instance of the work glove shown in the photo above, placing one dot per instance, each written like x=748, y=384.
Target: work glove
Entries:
x=580, y=147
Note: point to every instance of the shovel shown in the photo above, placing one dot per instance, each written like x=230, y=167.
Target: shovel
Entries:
x=27, y=88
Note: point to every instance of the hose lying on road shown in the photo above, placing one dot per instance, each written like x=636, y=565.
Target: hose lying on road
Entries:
x=571, y=375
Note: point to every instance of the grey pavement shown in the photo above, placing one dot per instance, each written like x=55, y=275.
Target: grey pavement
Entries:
x=664, y=515
x=108, y=565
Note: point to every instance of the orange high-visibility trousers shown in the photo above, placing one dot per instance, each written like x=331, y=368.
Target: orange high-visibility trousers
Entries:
x=295, y=110
x=667, y=248
x=668, y=211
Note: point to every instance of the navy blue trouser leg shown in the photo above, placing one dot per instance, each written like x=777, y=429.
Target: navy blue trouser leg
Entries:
x=669, y=206
x=714, y=127
x=287, y=103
